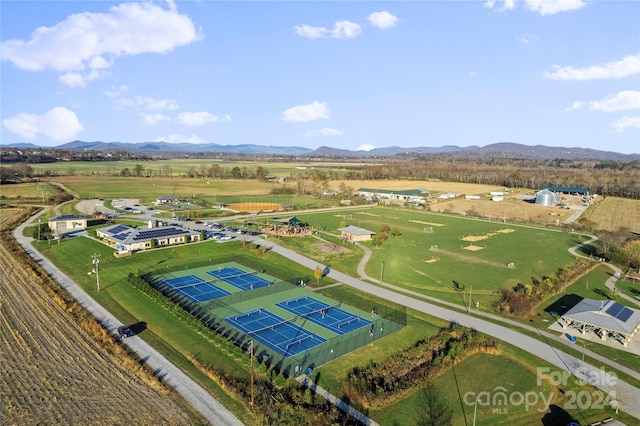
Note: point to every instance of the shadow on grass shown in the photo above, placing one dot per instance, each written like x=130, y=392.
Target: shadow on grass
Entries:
x=558, y=416
x=138, y=327
x=563, y=305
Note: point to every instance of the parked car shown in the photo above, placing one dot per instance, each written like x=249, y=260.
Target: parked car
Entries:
x=571, y=338
x=125, y=332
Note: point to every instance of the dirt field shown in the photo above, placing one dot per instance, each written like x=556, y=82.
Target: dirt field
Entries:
x=51, y=373
x=435, y=187
x=255, y=207
x=512, y=208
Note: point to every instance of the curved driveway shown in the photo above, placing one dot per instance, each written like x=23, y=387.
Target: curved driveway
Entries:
x=192, y=392
x=627, y=395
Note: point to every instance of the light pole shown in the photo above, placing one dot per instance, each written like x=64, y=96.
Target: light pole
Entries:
x=382, y=272
x=95, y=259
x=475, y=410
x=39, y=227
x=470, y=288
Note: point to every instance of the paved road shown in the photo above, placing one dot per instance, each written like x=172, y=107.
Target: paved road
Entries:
x=192, y=392
x=627, y=395
x=611, y=282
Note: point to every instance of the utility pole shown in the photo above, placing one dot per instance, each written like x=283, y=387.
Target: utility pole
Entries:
x=470, y=288
x=382, y=272
x=39, y=227
x=251, y=369
x=95, y=259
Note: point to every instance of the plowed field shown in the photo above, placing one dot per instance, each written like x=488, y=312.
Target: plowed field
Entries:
x=52, y=373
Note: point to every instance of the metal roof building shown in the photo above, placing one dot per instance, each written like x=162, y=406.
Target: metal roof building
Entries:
x=127, y=238
x=604, y=318
x=354, y=233
x=568, y=190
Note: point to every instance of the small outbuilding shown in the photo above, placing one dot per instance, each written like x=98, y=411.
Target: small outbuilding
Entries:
x=67, y=223
x=167, y=199
x=354, y=233
x=604, y=318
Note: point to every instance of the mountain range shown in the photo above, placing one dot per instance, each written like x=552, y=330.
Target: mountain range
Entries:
x=496, y=150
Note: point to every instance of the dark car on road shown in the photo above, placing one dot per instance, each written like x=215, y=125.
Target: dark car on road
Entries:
x=125, y=332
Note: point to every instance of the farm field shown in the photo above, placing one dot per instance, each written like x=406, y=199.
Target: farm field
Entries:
x=612, y=214
x=178, y=166
x=53, y=374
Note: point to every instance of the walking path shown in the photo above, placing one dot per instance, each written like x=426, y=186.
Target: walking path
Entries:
x=192, y=392
x=306, y=381
x=627, y=396
x=611, y=282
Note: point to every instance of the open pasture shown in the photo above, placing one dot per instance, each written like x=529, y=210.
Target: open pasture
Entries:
x=409, y=259
x=612, y=214
x=150, y=189
x=27, y=191
x=179, y=166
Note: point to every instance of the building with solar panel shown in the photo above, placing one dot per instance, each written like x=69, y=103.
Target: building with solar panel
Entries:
x=124, y=237
x=605, y=318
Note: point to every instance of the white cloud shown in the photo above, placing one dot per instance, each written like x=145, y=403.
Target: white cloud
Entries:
x=341, y=29
x=87, y=43
x=551, y=7
x=365, y=147
x=574, y=106
x=527, y=38
x=174, y=138
x=325, y=131
x=59, y=124
x=629, y=65
x=626, y=122
x=304, y=113
x=472, y=74
x=543, y=7
x=624, y=100
x=117, y=92
x=382, y=20
x=147, y=103
x=199, y=118
x=153, y=119
x=310, y=32
x=506, y=5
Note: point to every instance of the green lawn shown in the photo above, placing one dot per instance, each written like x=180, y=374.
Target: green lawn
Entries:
x=181, y=343
x=410, y=261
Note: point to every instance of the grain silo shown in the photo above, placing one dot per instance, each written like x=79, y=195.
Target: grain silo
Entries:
x=546, y=198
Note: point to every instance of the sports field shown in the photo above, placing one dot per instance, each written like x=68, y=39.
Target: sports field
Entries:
x=484, y=256
x=292, y=327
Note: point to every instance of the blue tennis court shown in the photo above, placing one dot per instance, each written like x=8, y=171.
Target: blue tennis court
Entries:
x=280, y=335
x=195, y=288
x=327, y=316
x=237, y=277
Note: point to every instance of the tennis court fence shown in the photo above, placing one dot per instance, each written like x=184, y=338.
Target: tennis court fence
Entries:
x=385, y=319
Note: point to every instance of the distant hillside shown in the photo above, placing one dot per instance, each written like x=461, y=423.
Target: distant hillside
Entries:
x=497, y=150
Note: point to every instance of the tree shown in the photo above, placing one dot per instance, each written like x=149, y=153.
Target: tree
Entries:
x=138, y=169
x=318, y=273
x=396, y=232
x=385, y=227
x=433, y=409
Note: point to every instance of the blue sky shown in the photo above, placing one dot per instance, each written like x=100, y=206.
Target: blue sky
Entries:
x=352, y=75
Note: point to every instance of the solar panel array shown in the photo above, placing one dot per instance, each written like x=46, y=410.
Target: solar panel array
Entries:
x=620, y=312
x=147, y=234
x=118, y=229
